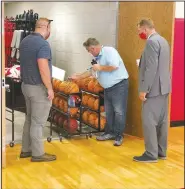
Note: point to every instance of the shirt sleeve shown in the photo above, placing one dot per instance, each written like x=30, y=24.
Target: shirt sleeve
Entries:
x=113, y=58
x=44, y=52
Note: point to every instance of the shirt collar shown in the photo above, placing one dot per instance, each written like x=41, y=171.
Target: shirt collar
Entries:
x=38, y=34
x=151, y=35
x=100, y=54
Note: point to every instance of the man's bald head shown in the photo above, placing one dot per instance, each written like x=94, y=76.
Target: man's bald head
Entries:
x=42, y=22
x=42, y=26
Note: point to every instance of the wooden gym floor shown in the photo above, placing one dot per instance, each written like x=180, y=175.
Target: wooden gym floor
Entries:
x=87, y=164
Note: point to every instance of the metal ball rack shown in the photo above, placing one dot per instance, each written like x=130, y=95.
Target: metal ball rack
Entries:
x=84, y=129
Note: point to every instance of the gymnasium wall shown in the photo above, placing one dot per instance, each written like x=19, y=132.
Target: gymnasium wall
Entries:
x=73, y=23
x=131, y=46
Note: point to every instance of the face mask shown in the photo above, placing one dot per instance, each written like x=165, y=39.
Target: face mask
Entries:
x=143, y=35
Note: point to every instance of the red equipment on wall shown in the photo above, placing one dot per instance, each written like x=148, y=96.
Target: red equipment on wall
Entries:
x=177, y=98
x=9, y=28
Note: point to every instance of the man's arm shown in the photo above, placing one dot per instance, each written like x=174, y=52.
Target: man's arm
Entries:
x=108, y=68
x=151, y=55
x=43, y=56
x=45, y=72
x=112, y=62
x=81, y=75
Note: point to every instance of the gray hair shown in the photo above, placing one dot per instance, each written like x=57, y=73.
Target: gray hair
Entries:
x=91, y=42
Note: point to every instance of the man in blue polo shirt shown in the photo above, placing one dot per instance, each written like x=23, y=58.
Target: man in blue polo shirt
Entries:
x=113, y=77
x=36, y=73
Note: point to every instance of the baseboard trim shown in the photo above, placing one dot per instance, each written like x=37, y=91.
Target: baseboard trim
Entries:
x=177, y=123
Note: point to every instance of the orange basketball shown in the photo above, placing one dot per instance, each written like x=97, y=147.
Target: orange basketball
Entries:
x=61, y=87
x=96, y=104
x=73, y=111
x=85, y=116
x=68, y=83
x=98, y=88
x=91, y=119
x=53, y=83
x=65, y=106
x=102, y=122
x=57, y=84
x=55, y=101
x=60, y=104
x=84, y=83
x=90, y=102
x=91, y=85
x=72, y=88
x=85, y=98
x=70, y=125
x=78, y=82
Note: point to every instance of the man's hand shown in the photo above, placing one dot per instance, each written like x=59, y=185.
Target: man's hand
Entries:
x=142, y=96
x=50, y=94
x=96, y=67
x=74, y=77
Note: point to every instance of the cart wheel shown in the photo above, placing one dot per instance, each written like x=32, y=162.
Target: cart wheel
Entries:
x=87, y=136
x=49, y=139
x=90, y=135
x=11, y=144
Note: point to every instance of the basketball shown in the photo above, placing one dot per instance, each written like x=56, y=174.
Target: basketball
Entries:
x=53, y=83
x=62, y=86
x=96, y=104
x=70, y=125
x=73, y=111
x=61, y=120
x=72, y=88
x=55, y=101
x=85, y=98
x=97, y=88
x=60, y=104
x=81, y=83
x=74, y=101
x=85, y=82
x=65, y=106
x=57, y=84
x=78, y=82
x=68, y=83
x=56, y=117
x=102, y=122
x=85, y=116
x=91, y=119
x=91, y=85
x=90, y=102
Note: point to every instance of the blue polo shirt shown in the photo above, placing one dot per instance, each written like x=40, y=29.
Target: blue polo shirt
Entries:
x=109, y=56
x=33, y=47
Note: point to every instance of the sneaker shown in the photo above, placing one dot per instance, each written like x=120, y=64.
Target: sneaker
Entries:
x=105, y=136
x=145, y=159
x=162, y=157
x=25, y=154
x=44, y=158
x=118, y=141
